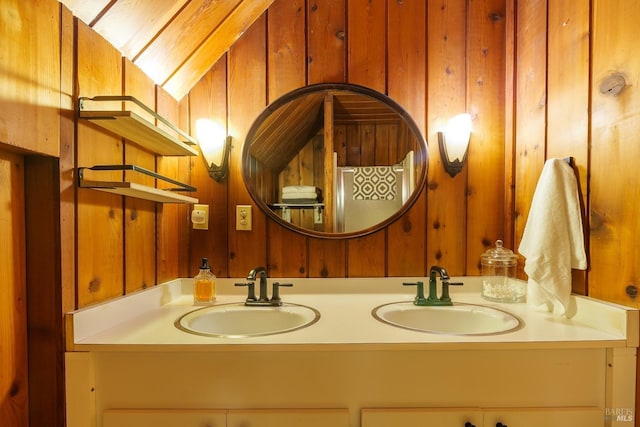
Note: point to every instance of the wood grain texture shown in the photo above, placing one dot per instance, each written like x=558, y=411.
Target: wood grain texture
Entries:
x=287, y=252
x=172, y=220
x=99, y=215
x=485, y=95
x=367, y=23
x=29, y=89
x=67, y=161
x=247, y=67
x=195, y=15
x=209, y=101
x=217, y=43
x=614, y=154
x=14, y=389
x=446, y=71
x=568, y=96
x=139, y=215
x=406, y=252
x=326, y=30
x=530, y=97
x=44, y=291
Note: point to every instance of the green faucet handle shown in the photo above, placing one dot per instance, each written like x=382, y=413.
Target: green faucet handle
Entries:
x=419, y=299
x=445, y=290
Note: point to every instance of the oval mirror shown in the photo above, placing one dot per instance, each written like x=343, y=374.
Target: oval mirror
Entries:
x=334, y=160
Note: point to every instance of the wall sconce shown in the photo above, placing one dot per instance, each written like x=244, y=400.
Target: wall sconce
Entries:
x=215, y=147
x=454, y=142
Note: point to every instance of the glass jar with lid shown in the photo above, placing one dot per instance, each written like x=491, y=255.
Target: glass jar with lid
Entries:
x=499, y=281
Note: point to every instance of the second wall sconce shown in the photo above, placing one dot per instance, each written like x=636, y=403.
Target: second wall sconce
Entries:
x=215, y=147
x=454, y=143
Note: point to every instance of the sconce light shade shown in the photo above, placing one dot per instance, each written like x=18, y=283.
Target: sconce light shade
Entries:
x=454, y=142
x=215, y=147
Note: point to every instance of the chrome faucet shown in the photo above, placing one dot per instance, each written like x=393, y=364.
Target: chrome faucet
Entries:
x=432, y=299
x=262, y=299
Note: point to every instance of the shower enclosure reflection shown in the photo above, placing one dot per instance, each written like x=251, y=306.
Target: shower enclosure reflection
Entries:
x=334, y=160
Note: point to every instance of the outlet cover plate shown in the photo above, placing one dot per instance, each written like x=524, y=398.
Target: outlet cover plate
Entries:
x=243, y=217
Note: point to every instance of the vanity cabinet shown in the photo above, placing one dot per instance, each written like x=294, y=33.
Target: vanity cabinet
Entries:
x=477, y=417
x=225, y=418
x=164, y=418
x=288, y=417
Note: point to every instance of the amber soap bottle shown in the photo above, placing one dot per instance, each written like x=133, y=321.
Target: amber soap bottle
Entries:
x=204, y=284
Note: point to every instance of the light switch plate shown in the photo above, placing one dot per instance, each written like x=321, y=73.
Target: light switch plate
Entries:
x=200, y=217
x=243, y=217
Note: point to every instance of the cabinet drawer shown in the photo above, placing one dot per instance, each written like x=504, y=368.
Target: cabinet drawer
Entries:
x=288, y=418
x=164, y=418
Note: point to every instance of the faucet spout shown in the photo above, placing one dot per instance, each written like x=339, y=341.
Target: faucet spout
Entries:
x=439, y=270
x=253, y=274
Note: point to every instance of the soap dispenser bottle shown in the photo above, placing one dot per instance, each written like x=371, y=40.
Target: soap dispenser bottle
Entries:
x=204, y=284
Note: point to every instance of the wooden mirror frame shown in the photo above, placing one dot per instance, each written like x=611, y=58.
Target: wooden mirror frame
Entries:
x=421, y=156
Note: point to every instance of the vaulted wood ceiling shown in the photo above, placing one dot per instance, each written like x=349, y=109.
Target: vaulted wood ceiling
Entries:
x=175, y=42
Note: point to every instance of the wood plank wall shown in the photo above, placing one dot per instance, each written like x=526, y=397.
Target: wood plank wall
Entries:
x=454, y=63
x=435, y=58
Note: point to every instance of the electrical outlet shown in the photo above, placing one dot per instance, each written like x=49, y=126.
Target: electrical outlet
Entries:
x=243, y=217
x=200, y=217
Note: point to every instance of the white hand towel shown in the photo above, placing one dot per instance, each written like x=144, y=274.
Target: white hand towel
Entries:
x=553, y=239
x=298, y=189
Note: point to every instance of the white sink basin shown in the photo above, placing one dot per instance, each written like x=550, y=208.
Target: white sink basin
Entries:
x=459, y=319
x=239, y=321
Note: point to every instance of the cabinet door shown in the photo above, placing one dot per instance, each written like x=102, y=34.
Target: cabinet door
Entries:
x=547, y=417
x=288, y=417
x=421, y=417
x=164, y=418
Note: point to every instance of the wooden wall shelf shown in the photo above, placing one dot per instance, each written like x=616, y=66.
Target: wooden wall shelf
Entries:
x=132, y=189
x=135, y=128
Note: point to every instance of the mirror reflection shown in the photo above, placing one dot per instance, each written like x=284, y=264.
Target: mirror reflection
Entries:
x=334, y=160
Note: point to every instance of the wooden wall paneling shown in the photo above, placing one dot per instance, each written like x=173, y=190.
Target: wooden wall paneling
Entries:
x=331, y=141
x=326, y=55
x=509, y=121
x=286, y=54
x=201, y=17
x=208, y=100
x=446, y=82
x=326, y=33
x=213, y=48
x=185, y=268
x=568, y=96
x=135, y=24
x=366, y=44
x=172, y=220
x=67, y=160
x=614, y=172
x=328, y=258
x=14, y=408
x=247, y=67
x=486, y=208
x=286, y=47
x=366, y=47
x=530, y=108
x=30, y=84
x=139, y=215
x=44, y=291
x=406, y=63
x=99, y=215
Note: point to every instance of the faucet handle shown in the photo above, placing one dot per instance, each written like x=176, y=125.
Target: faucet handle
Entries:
x=419, y=299
x=445, y=289
x=251, y=291
x=275, y=294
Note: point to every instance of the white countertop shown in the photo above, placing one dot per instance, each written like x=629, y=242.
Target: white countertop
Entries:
x=144, y=321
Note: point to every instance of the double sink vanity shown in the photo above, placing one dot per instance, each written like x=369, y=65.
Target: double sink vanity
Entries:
x=347, y=352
